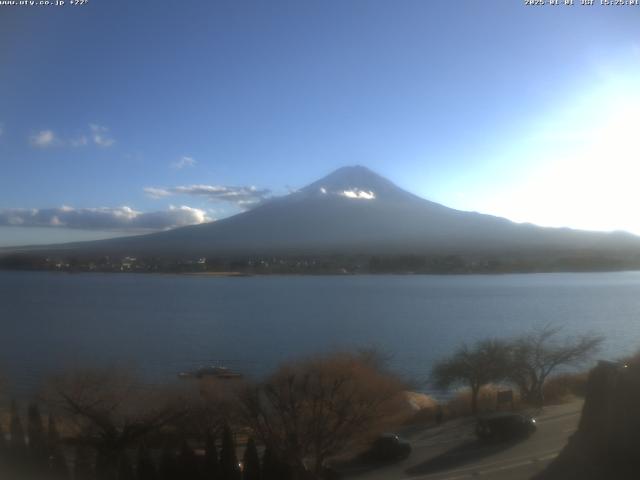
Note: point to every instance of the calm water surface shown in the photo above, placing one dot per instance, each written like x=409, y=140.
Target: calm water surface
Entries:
x=164, y=324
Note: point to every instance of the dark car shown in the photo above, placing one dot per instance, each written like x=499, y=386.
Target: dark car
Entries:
x=388, y=448
x=505, y=426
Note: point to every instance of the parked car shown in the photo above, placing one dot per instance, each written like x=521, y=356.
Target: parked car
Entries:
x=388, y=448
x=505, y=426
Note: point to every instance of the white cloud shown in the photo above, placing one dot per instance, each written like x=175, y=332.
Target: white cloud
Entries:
x=120, y=218
x=97, y=135
x=243, y=196
x=157, y=192
x=100, y=135
x=174, y=217
x=44, y=139
x=183, y=162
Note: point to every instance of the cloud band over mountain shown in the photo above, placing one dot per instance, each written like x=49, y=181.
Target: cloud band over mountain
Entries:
x=244, y=196
x=119, y=218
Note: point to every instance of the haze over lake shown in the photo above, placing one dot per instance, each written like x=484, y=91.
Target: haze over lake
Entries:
x=164, y=324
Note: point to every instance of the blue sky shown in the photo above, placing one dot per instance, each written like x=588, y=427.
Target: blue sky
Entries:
x=120, y=116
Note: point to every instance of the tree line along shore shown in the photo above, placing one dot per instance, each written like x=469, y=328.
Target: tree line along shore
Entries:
x=331, y=264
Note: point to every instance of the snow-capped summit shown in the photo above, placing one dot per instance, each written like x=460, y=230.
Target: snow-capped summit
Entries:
x=355, y=182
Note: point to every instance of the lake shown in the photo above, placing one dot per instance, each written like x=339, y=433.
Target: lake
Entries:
x=164, y=324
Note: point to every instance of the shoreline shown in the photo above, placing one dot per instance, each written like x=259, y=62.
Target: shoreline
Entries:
x=328, y=274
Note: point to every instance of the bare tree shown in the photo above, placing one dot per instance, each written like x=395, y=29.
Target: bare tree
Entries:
x=474, y=367
x=308, y=411
x=535, y=355
x=111, y=411
x=210, y=404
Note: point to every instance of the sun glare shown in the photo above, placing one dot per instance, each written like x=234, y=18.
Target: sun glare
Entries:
x=584, y=167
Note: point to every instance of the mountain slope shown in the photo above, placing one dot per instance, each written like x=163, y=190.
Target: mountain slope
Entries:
x=354, y=210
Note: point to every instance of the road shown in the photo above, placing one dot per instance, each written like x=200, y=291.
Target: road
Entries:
x=451, y=452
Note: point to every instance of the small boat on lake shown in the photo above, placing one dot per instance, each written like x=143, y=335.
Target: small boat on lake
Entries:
x=222, y=373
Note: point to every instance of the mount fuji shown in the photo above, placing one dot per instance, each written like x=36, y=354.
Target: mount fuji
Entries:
x=356, y=211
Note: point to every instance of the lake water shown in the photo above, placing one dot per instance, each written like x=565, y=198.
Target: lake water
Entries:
x=164, y=324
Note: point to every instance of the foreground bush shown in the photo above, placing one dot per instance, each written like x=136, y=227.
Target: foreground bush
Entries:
x=309, y=411
x=565, y=386
x=116, y=428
